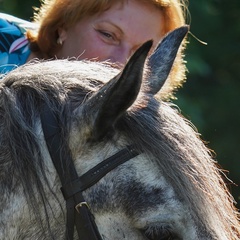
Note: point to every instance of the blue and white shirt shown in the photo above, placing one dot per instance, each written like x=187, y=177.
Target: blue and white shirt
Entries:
x=14, y=50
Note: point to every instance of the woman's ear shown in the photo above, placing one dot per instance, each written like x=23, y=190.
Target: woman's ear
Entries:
x=62, y=35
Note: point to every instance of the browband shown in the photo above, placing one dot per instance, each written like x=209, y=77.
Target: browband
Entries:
x=92, y=176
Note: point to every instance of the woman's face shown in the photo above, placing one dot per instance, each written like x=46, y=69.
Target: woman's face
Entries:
x=114, y=34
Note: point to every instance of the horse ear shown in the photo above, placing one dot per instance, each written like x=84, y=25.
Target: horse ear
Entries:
x=115, y=97
x=161, y=61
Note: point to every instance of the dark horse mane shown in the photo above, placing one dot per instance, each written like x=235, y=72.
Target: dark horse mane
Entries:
x=21, y=100
x=155, y=127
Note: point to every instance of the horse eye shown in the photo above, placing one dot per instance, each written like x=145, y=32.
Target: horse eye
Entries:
x=154, y=233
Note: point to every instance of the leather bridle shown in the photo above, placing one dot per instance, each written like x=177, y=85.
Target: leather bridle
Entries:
x=78, y=210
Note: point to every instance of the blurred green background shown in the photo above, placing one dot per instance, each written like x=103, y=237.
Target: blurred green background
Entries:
x=211, y=96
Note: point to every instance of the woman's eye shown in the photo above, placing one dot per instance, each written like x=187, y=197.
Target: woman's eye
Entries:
x=106, y=34
x=109, y=37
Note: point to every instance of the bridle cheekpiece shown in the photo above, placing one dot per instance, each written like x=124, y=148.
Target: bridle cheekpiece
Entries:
x=78, y=210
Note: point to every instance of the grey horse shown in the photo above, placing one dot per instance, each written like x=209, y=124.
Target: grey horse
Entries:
x=171, y=190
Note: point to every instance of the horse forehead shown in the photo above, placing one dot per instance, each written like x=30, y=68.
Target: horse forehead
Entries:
x=143, y=197
x=139, y=184
x=144, y=168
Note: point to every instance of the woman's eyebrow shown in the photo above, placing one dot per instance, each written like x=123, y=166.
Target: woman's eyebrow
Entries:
x=112, y=24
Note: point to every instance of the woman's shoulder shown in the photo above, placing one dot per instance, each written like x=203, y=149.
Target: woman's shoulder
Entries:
x=23, y=25
x=14, y=49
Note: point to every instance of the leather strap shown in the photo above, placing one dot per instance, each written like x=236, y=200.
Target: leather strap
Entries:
x=78, y=211
x=63, y=163
x=91, y=177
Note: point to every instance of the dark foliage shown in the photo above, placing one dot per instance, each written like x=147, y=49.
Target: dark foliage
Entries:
x=210, y=97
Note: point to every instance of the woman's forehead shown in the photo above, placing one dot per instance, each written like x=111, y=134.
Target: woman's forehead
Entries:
x=133, y=17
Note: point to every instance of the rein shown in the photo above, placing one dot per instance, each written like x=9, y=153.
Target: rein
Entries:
x=78, y=210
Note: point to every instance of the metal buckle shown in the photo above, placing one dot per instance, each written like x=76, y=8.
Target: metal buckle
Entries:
x=79, y=205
